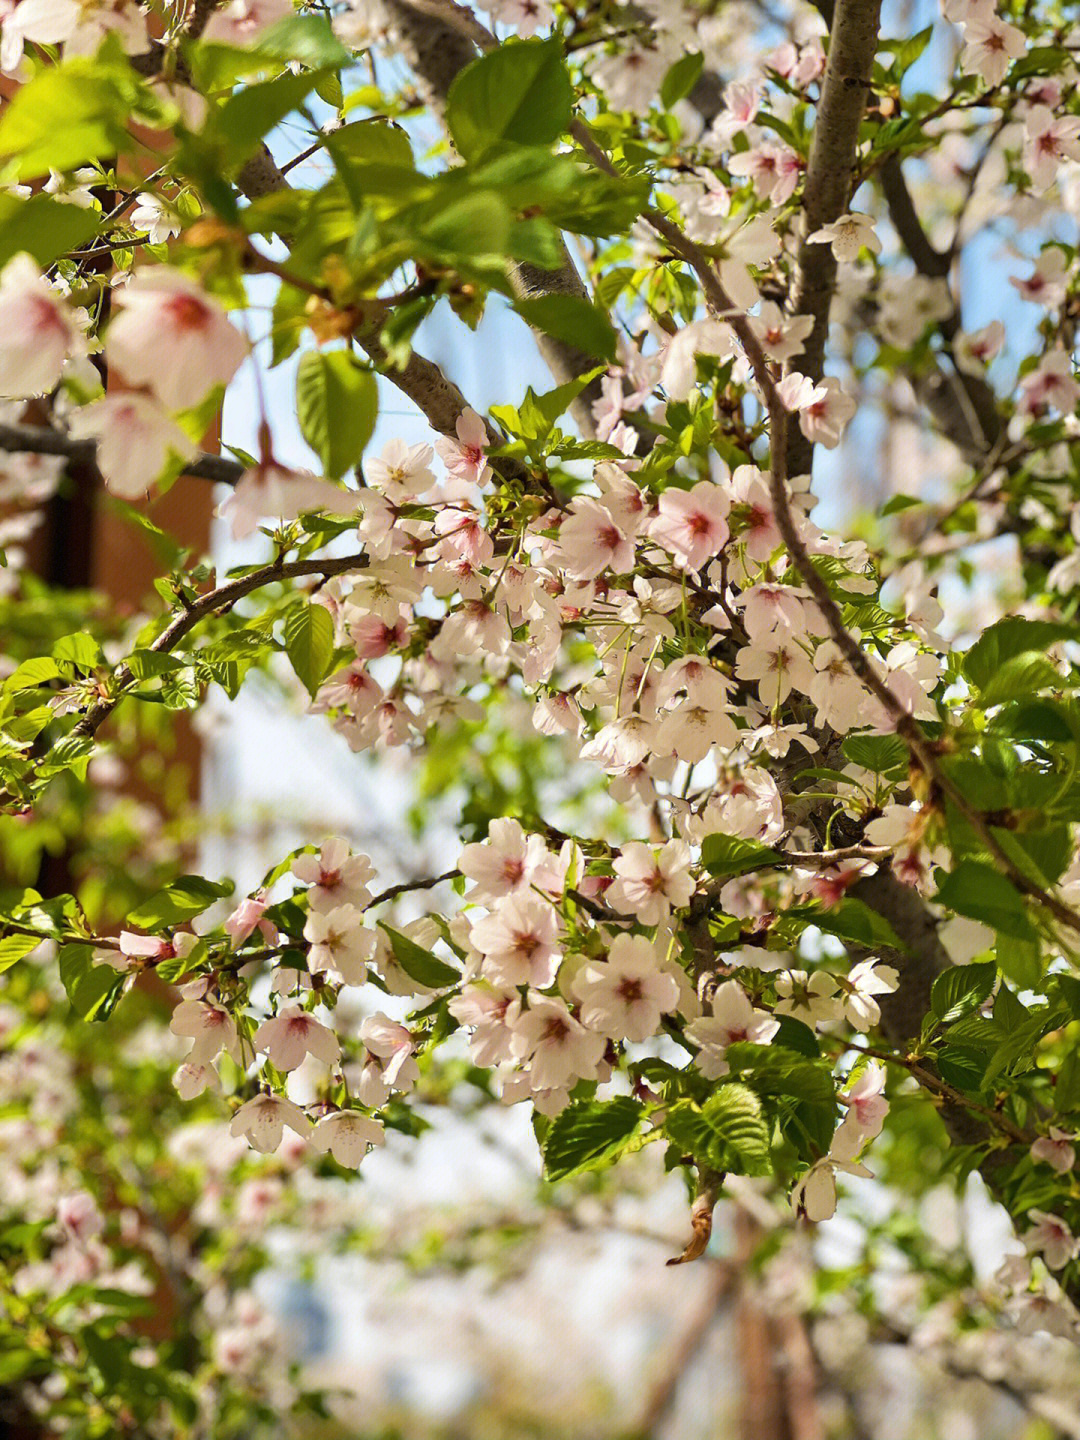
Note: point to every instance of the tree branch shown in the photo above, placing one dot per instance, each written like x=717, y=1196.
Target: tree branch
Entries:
x=439, y=38
x=845, y=85
x=436, y=396
x=43, y=440
x=964, y=406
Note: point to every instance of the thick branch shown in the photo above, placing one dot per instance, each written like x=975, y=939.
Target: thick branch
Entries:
x=434, y=395
x=905, y=725
x=438, y=39
x=845, y=86
x=43, y=440
x=964, y=406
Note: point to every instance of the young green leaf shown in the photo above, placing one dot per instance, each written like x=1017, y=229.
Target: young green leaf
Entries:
x=958, y=991
x=336, y=403
x=520, y=93
x=589, y=1134
x=309, y=643
x=420, y=964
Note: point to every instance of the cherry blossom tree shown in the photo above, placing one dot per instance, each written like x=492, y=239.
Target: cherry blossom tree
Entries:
x=764, y=861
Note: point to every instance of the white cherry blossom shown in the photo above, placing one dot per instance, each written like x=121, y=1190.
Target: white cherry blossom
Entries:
x=625, y=994
x=262, y=1121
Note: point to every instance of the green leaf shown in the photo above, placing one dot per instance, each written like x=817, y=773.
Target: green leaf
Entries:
x=728, y=1132
x=1009, y=637
x=17, y=1364
x=962, y=1066
x=883, y=754
x=731, y=855
x=980, y=892
x=853, y=920
x=92, y=989
x=958, y=991
x=910, y=50
x=420, y=964
x=571, y=319
x=182, y=899
x=66, y=116
x=1019, y=678
x=775, y=1070
x=520, y=93
x=43, y=227
x=589, y=1134
x=1067, y=1089
x=32, y=673
x=899, y=503
x=336, y=402
x=1016, y=1053
x=470, y=229
x=309, y=643
x=147, y=664
x=681, y=79
x=252, y=111
x=14, y=947
x=372, y=142
x=80, y=650
x=309, y=39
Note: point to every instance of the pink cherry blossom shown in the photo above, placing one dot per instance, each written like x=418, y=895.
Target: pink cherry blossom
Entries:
x=1050, y=384
x=773, y=168
x=814, y=1194
x=1049, y=139
x=866, y=1111
x=136, y=441
x=271, y=491
x=392, y=1045
x=864, y=981
x=293, y=1034
x=810, y=998
x=591, y=541
x=1051, y=1238
x=1056, y=1150
x=209, y=1026
x=262, y=1121
x=487, y=1011
x=466, y=457
x=78, y=27
x=508, y=862
x=990, y=47
x=339, y=943
x=172, y=338
x=39, y=329
x=649, y=883
x=558, y=1048
x=519, y=941
x=346, y=1135
x=247, y=917
x=402, y=470
x=79, y=1216
x=354, y=687
x=625, y=994
x=241, y=22
x=692, y=524
x=848, y=235
x=336, y=876
x=733, y=1018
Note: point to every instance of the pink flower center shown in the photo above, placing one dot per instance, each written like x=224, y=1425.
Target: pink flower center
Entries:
x=187, y=312
x=47, y=319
